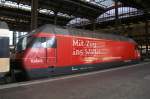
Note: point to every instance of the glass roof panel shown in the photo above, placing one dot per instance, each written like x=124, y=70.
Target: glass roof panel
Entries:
x=103, y=3
x=28, y=8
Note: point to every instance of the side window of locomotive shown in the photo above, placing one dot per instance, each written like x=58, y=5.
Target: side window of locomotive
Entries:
x=51, y=42
x=43, y=42
x=24, y=43
x=39, y=43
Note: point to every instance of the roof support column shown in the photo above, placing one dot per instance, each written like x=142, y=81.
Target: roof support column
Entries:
x=146, y=37
x=116, y=15
x=93, y=24
x=14, y=37
x=34, y=14
x=55, y=18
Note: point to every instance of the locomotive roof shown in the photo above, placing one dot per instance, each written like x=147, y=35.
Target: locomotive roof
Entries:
x=48, y=28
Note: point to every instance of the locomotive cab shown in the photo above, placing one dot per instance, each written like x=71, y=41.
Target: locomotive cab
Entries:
x=35, y=53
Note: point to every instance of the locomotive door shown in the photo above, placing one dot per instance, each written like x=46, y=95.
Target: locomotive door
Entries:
x=38, y=52
x=51, y=45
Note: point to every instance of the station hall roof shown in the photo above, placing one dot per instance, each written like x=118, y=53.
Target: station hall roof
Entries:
x=71, y=7
x=141, y=4
x=19, y=19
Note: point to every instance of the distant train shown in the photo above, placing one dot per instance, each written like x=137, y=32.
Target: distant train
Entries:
x=52, y=50
x=4, y=49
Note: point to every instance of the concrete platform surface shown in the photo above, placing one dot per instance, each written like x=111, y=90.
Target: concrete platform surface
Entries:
x=131, y=82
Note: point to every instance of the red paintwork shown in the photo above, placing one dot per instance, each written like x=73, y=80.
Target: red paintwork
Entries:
x=81, y=53
x=73, y=50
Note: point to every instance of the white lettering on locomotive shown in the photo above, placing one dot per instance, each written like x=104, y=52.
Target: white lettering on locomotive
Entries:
x=78, y=52
x=87, y=47
x=78, y=43
x=36, y=60
x=90, y=44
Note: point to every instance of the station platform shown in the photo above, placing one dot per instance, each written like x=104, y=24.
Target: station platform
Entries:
x=128, y=82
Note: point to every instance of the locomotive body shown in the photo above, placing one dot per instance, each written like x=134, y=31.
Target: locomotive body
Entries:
x=52, y=50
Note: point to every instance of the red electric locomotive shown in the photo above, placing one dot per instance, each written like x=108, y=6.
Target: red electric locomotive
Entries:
x=51, y=50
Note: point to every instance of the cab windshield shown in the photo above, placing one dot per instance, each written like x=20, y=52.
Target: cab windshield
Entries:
x=23, y=42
